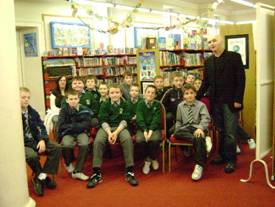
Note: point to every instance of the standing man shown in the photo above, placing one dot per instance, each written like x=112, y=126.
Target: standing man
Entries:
x=225, y=79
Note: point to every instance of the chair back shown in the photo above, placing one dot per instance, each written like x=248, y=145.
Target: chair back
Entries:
x=163, y=121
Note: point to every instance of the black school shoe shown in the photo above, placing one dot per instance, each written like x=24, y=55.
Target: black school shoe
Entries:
x=130, y=178
x=229, y=167
x=94, y=180
x=38, y=186
x=49, y=183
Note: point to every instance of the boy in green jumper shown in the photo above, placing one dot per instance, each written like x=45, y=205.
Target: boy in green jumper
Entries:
x=86, y=99
x=125, y=86
x=135, y=98
x=113, y=116
x=103, y=91
x=90, y=83
x=149, y=126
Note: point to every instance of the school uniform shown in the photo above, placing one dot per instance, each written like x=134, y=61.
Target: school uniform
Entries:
x=111, y=115
x=132, y=106
x=94, y=93
x=149, y=118
x=35, y=131
x=74, y=126
x=92, y=102
x=125, y=89
x=160, y=93
x=189, y=119
x=171, y=100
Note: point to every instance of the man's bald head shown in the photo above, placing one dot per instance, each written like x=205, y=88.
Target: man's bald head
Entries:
x=216, y=44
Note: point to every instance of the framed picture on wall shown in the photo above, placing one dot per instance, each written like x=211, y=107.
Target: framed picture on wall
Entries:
x=239, y=44
x=144, y=85
x=69, y=35
x=30, y=45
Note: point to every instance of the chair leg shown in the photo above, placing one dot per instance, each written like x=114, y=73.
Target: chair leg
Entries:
x=169, y=157
x=163, y=157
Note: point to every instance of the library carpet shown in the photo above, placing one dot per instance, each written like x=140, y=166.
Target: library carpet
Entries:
x=164, y=190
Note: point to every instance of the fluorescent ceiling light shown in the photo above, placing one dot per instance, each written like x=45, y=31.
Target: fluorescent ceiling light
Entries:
x=246, y=22
x=217, y=20
x=91, y=3
x=245, y=3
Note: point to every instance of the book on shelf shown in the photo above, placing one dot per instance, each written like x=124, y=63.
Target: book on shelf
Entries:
x=193, y=59
x=90, y=71
x=176, y=40
x=162, y=43
x=170, y=58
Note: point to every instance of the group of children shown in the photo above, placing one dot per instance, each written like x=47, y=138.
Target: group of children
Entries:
x=117, y=112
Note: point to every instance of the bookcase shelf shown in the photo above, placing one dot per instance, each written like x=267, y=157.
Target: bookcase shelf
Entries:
x=106, y=67
x=110, y=67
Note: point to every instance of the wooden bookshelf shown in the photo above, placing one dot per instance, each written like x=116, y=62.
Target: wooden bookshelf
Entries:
x=97, y=65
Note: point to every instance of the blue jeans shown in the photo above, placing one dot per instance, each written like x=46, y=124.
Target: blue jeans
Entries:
x=226, y=121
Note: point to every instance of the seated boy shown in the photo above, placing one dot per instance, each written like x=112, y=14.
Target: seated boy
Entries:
x=114, y=116
x=149, y=125
x=74, y=125
x=86, y=99
x=135, y=98
x=125, y=86
x=171, y=99
x=197, y=84
x=192, y=124
x=159, y=83
x=36, y=141
x=103, y=91
x=190, y=78
x=90, y=83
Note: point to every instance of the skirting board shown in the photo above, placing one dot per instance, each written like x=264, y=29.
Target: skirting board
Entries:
x=31, y=203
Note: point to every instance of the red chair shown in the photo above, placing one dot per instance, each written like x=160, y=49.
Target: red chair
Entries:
x=211, y=127
x=175, y=142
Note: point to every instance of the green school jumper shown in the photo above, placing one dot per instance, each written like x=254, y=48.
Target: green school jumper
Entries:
x=113, y=114
x=149, y=118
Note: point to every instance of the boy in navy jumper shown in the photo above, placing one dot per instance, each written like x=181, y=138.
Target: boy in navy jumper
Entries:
x=36, y=141
x=74, y=126
x=171, y=100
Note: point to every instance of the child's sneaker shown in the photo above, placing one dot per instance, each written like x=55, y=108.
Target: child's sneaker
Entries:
x=146, y=167
x=79, y=176
x=70, y=168
x=197, y=173
x=94, y=180
x=208, y=143
x=238, y=149
x=251, y=143
x=155, y=164
x=131, y=179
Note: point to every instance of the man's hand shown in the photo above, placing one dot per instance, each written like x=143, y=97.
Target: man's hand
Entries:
x=199, y=133
x=237, y=105
x=41, y=146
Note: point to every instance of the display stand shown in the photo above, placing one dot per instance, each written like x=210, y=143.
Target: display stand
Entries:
x=265, y=88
